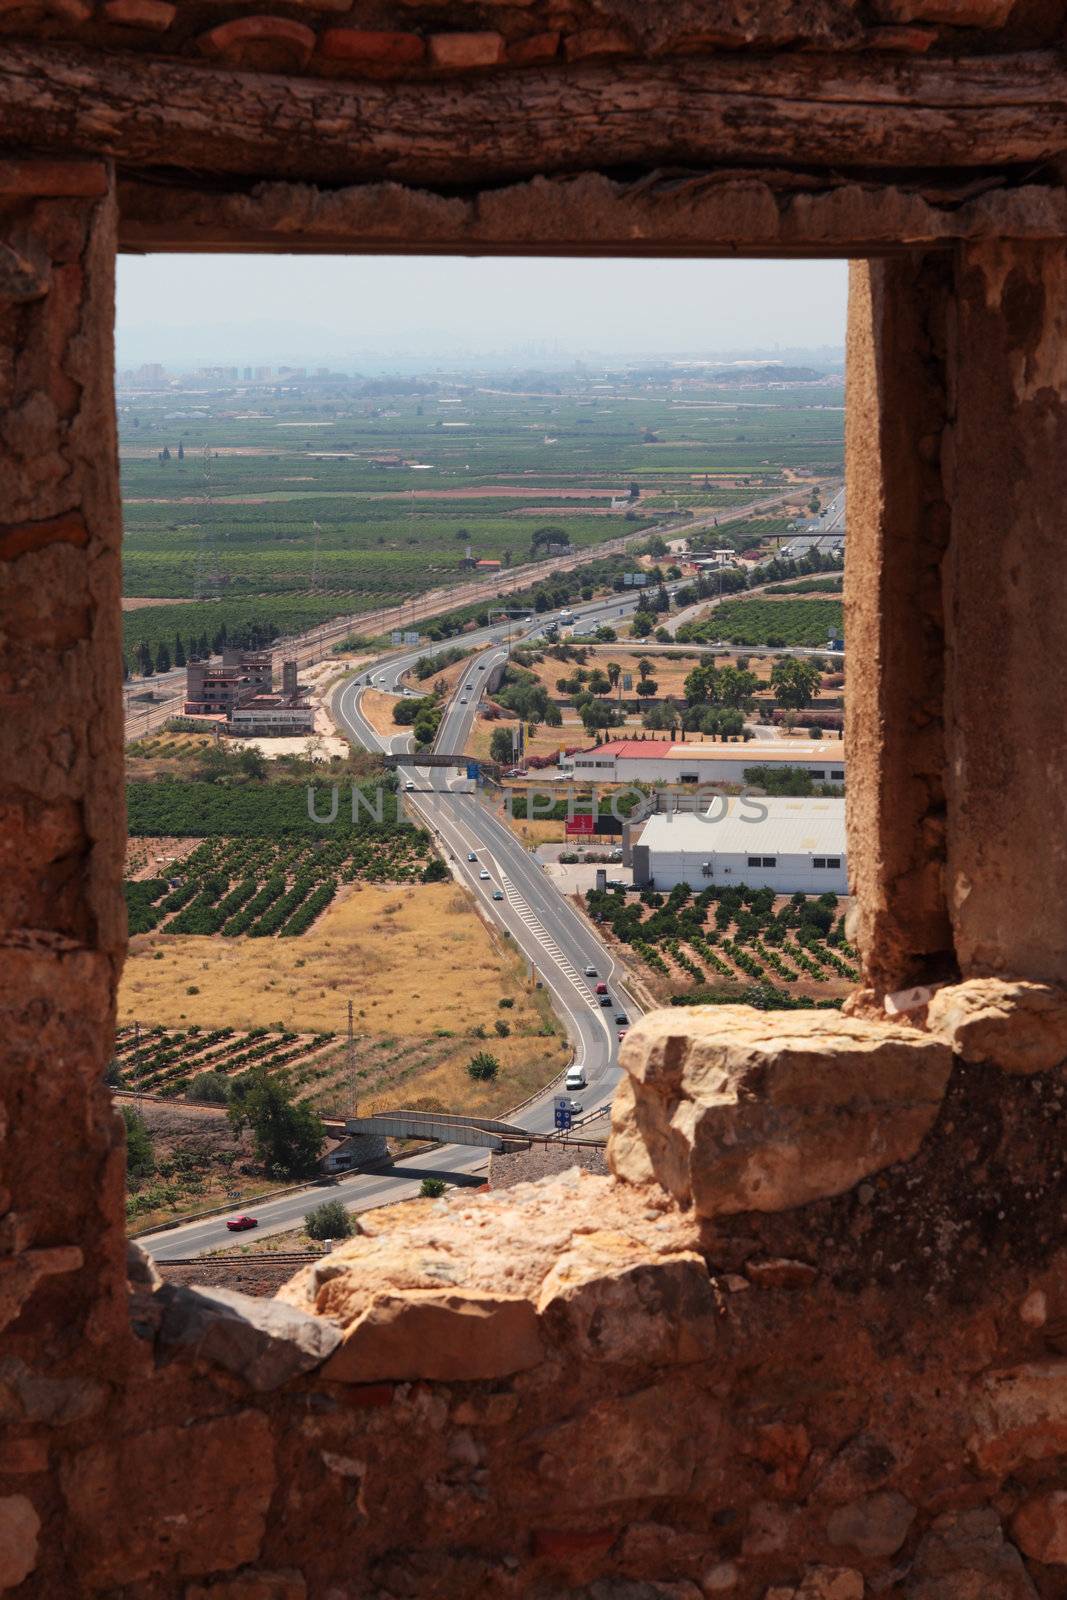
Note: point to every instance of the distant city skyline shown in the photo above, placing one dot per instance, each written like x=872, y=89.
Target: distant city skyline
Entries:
x=374, y=312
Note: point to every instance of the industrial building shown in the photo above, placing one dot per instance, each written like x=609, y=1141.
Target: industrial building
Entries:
x=271, y=716
x=213, y=689
x=242, y=690
x=790, y=846
x=661, y=761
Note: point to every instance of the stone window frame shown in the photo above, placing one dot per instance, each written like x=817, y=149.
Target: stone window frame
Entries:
x=953, y=344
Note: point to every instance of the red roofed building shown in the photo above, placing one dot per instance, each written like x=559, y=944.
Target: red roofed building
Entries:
x=707, y=761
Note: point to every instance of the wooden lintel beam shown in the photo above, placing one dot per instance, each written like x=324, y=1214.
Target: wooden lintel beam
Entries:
x=841, y=112
x=755, y=213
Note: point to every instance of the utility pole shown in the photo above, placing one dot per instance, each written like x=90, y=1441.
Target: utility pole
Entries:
x=137, y=1065
x=352, y=1064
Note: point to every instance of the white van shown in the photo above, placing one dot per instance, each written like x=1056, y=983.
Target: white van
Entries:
x=575, y=1078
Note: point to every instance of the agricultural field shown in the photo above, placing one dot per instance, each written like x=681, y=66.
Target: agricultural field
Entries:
x=732, y=944
x=276, y=510
x=768, y=622
x=167, y=1061
x=810, y=585
x=263, y=810
x=262, y=888
x=428, y=982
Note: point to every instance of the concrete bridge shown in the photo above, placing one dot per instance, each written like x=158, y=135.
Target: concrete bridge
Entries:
x=447, y=1127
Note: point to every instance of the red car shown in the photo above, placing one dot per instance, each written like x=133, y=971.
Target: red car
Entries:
x=239, y=1224
x=601, y=988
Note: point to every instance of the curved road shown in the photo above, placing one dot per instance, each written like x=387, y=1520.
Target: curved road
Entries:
x=543, y=925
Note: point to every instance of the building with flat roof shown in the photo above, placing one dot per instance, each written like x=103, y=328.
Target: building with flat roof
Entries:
x=710, y=761
x=211, y=689
x=790, y=846
x=272, y=716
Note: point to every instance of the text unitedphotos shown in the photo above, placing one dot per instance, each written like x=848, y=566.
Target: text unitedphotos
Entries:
x=708, y=806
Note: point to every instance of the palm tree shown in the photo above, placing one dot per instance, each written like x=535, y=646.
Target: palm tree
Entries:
x=614, y=674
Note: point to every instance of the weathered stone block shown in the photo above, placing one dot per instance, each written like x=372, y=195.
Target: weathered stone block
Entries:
x=1020, y=1026
x=268, y=44
x=155, y=16
x=657, y=1313
x=957, y=13
x=460, y=51
x=19, y=1527
x=830, y=1583
x=595, y=43
x=737, y=1110
x=367, y=47
x=534, y=48
x=965, y=1556
x=445, y=1334
x=265, y=1342
x=71, y=12
x=1039, y=1527
x=875, y=1526
x=1020, y=1415
x=178, y=1500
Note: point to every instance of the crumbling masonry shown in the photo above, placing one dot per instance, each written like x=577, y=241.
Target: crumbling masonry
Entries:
x=810, y=1341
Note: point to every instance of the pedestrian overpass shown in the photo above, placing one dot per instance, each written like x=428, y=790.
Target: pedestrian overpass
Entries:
x=443, y=1127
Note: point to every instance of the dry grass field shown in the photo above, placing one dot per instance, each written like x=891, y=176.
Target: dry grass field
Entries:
x=425, y=976
x=411, y=960
x=378, y=710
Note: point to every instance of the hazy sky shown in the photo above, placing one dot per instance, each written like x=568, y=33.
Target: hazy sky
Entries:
x=194, y=310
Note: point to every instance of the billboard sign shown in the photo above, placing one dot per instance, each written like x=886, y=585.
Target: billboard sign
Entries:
x=579, y=825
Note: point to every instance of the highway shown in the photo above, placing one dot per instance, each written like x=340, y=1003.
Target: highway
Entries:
x=545, y=928
x=543, y=925
x=144, y=717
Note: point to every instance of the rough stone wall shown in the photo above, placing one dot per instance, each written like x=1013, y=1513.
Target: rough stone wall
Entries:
x=420, y=39
x=62, y=923
x=1006, y=582
x=896, y=414
x=765, y=1360
x=809, y=1342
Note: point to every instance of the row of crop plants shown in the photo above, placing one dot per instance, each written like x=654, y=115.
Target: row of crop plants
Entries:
x=261, y=887
x=732, y=933
x=165, y=1061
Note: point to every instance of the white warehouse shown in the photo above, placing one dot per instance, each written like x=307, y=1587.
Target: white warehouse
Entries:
x=790, y=846
x=699, y=761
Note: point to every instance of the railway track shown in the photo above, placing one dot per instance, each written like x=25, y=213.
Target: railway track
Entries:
x=266, y=1259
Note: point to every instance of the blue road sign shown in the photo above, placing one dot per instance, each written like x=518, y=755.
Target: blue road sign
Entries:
x=563, y=1118
x=473, y=770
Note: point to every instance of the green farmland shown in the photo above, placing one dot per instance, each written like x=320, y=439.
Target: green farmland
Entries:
x=770, y=622
x=293, y=507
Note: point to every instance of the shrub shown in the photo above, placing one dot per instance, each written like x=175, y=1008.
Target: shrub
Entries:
x=432, y=1188
x=502, y=1028
x=330, y=1220
x=140, y=1156
x=209, y=1088
x=483, y=1067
